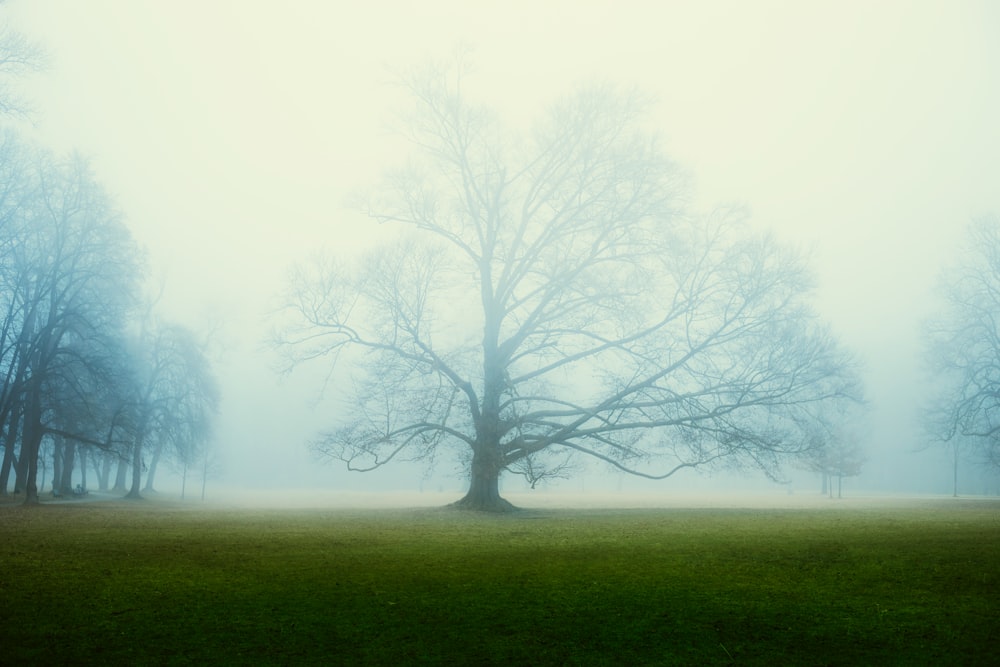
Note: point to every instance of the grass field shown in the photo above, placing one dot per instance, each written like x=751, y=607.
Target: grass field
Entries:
x=158, y=583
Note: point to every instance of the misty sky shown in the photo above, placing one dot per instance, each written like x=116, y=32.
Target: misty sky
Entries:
x=230, y=133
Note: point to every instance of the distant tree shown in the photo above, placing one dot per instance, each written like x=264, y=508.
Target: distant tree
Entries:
x=210, y=465
x=964, y=449
x=18, y=57
x=175, y=398
x=102, y=462
x=549, y=296
x=198, y=453
x=963, y=351
x=837, y=453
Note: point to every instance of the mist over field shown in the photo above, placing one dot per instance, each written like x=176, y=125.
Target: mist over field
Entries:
x=235, y=138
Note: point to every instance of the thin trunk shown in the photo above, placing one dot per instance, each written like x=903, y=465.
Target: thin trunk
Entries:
x=204, y=478
x=954, y=471
x=184, y=476
x=83, y=468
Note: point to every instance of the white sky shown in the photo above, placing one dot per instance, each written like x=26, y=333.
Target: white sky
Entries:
x=230, y=132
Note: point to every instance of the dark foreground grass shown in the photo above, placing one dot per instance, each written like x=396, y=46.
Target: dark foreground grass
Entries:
x=144, y=583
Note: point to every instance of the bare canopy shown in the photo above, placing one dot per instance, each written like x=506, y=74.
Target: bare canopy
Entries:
x=963, y=349
x=549, y=296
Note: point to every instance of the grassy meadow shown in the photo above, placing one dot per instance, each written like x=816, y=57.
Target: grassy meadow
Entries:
x=149, y=582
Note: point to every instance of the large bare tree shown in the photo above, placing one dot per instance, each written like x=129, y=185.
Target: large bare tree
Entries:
x=963, y=350
x=549, y=297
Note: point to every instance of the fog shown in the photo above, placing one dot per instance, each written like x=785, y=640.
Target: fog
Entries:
x=231, y=133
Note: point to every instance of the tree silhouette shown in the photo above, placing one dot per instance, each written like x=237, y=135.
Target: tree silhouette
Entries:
x=963, y=351
x=550, y=296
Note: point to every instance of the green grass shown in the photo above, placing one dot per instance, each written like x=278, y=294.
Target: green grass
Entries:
x=149, y=583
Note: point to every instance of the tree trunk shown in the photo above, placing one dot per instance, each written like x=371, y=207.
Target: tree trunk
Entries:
x=484, y=487
x=120, y=475
x=9, y=460
x=152, y=467
x=31, y=440
x=487, y=460
x=57, y=468
x=955, y=473
x=10, y=443
x=102, y=466
x=31, y=478
x=20, y=470
x=68, y=462
x=83, y=468
x=41, y=485
x=136, y=470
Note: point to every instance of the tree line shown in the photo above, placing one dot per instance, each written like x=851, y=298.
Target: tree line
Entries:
x=90, y=377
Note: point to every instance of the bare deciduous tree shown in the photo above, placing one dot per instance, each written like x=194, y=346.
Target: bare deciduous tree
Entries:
x=72, y=270
x=18, y=57
x=837, y=452
x=550, y=296
x=963, y=350
x=175, y=398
